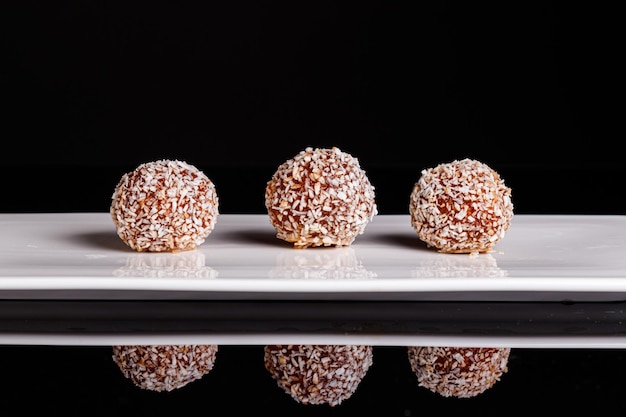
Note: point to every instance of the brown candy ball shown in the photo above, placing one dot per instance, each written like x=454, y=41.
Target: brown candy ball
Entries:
x=164, y=206
x=320, y=197
x=461, y=207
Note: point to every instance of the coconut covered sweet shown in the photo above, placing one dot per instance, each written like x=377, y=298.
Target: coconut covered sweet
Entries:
x=462, y=206
x=320, y=197
x=164, y=206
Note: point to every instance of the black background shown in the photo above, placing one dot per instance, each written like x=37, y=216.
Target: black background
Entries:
x=91, y=89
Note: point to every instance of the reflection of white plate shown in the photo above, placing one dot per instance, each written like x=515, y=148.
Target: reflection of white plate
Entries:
x=548, y=342
x=542, y=258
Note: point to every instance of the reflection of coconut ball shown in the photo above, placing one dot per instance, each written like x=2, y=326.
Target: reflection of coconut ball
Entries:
x=458, y=372
x=461, y=207
x=164, y=367
x=320, y=197
x=328, y=263
x=188, y=264
x=318, y=374
x=483, y=265
x=164, y=206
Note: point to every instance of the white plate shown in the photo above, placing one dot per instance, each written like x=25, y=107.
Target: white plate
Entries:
x=542, y=258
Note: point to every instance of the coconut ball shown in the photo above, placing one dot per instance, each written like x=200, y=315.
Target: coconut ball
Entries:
x=458, y=371
x=318, y=374
x=461, y=207
x=320, y=197
x=164, y=206
x=164, y=367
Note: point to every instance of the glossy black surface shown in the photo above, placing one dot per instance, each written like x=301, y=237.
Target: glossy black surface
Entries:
x=332, y=318
x=85, y=380
x=81, y=377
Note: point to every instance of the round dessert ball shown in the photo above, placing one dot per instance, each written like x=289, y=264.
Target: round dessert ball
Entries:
x=318, y=374
x=461, y=207
x=458, y=371
x=164, y=206
x=320, y=197
x=164, y=367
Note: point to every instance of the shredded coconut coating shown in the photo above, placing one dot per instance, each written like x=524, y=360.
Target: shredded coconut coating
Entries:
x=320, y=197
x=164, y=206
x=461, y=207
x=458, y=372
x=164, y=367
x=318, y=374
